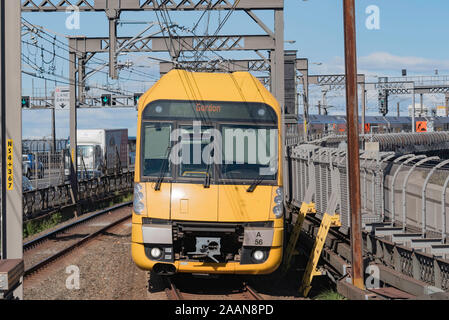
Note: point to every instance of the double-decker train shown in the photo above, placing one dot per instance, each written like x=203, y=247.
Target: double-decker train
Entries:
x=208, y=192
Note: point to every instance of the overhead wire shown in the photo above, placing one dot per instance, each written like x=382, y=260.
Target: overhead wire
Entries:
x=69, y=48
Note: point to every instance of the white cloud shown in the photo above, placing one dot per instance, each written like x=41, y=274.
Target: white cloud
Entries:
x=384, y=64
x=384, y=61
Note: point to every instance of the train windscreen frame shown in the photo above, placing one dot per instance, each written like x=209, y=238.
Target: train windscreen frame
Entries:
x=254, y=112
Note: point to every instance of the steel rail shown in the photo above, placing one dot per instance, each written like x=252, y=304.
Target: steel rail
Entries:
x=30, y=244
x=64, y=251
x=172, y=291
x=253, y=294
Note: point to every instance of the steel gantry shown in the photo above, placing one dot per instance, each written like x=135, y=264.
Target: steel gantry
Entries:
x=413, y=86
x=148, y=5
x=83, y=49
x=330, y=82
x=218, y=65
x=113, y=8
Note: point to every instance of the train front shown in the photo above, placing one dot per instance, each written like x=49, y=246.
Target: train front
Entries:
x=208, y=195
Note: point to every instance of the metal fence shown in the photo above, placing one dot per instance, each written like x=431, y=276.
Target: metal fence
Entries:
x=396, y=197
x=320, y=175
x=45, y=168
x=41, y=145
x=40, y=201
x=417, y=265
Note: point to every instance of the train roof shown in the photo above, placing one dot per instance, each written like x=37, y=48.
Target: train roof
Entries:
x=205, y=86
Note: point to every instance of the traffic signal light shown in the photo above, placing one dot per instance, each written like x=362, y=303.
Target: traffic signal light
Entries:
x=383, y=102
x=25, y=101
x=136, y=98
x=106, y=100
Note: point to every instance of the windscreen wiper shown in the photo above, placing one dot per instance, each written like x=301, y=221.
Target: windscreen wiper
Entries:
x=207, y=178
x=255, y=183
x=164, y=168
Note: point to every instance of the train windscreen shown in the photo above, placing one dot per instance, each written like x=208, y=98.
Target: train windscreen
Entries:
x=236, y=140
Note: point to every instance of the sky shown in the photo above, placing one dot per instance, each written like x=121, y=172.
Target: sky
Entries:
x=410, y=35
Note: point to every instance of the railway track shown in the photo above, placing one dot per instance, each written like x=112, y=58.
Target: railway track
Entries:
x=75, y=234
x=245, y=292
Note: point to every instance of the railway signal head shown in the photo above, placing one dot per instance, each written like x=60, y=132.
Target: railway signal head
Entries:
x=136, y=98
x=383, y=102
x=25, y=102
x=106, y=100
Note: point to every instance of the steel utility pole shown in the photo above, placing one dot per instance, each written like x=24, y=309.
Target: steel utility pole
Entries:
x=353, y=142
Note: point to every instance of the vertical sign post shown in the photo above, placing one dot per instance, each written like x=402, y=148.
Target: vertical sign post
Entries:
x=11, y=134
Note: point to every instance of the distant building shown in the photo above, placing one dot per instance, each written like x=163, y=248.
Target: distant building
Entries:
x=441, y=111
x=418, y=113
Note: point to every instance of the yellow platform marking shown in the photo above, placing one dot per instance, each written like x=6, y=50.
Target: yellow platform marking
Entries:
x=306, y=208
x=327, y=222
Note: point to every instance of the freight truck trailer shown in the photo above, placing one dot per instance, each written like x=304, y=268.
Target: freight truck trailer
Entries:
x=100, y=151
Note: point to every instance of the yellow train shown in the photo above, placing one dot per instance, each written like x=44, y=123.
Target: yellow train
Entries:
x=208, y=176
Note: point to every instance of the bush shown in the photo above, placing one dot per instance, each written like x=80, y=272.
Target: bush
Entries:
x=33, y=227
x=329, y=295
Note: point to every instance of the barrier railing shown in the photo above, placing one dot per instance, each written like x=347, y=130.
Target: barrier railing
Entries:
x=397, y=198
x=41, y=201
x=322, y=172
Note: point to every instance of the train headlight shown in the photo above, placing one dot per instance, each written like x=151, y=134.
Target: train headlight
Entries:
x=278, y=199
x=139, y=198
x=156, y=253
x=258, y=255
x=278, y=211
x=280, y=192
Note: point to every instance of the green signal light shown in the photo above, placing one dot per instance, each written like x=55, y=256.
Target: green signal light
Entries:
x=25, y=100
x=137, y=97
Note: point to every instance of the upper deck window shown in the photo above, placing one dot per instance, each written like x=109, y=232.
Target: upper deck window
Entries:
x=210, y=111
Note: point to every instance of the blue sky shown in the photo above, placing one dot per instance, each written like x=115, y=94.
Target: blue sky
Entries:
x=411, y=35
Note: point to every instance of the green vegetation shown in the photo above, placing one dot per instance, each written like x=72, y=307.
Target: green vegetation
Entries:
x=329, y=295
x=121, y=199
x=38, y=225
x=33, y=227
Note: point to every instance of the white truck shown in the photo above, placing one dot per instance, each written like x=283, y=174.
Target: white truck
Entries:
x=101, y=151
